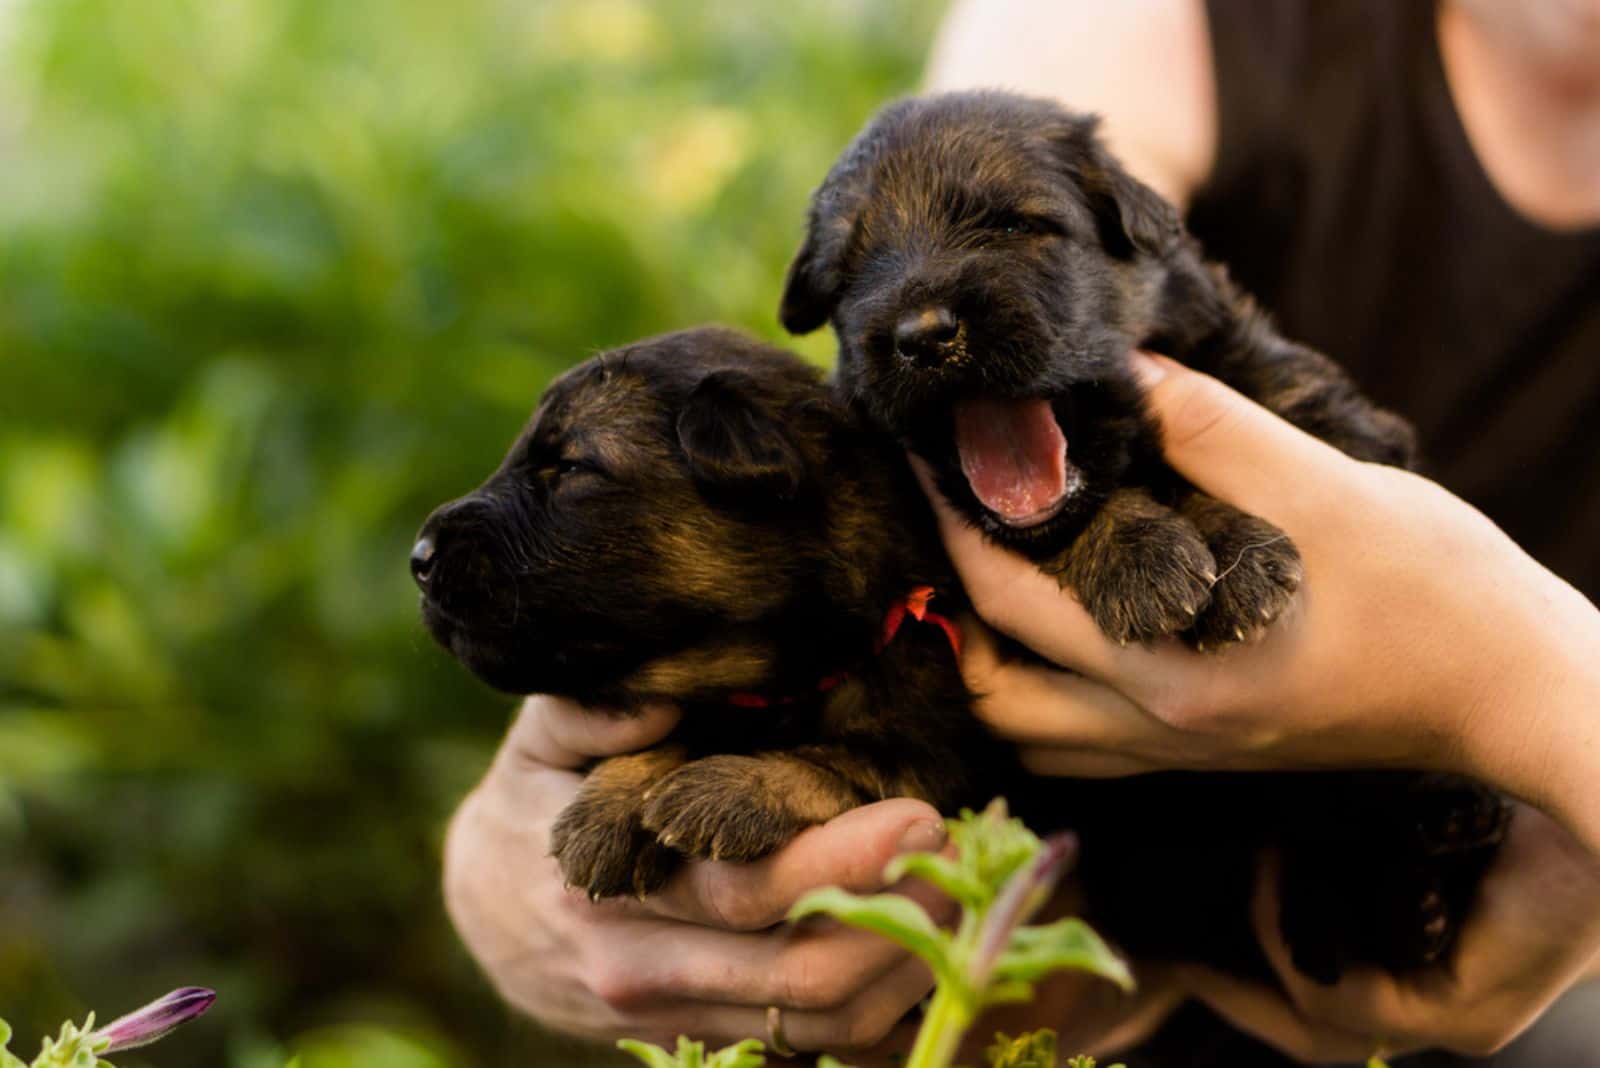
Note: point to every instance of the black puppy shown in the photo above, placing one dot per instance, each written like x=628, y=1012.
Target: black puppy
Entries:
x=987, y=266
x=694, y=519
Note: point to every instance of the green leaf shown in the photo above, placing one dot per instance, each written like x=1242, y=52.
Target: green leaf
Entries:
x=746, y=1054
x=992, y=845
x=654, y=1056
x=1035, y=952
x=948, y=875
x=826, y=1061
x=7, y=1058
x=896, y=918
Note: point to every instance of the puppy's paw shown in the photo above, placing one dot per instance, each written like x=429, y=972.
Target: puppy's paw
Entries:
x=595, y=840
x=1386, y=872
x=600, y=840
x=1259, y=570
x=1142, y=571
x=742, y=808
x=721, y=808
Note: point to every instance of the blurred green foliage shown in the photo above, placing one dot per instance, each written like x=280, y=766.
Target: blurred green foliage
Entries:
x=276, y=277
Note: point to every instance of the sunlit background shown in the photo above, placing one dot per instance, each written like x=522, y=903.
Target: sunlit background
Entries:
x=277, y=276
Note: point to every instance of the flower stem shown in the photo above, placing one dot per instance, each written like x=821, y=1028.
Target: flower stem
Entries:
x=942, y=1028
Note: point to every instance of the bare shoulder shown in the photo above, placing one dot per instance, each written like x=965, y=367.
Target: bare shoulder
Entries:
x=1143, y=65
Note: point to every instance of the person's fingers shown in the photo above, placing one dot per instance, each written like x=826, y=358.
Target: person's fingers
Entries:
x=1365, y=1001
x=562, y=734
x=1265, y=1013
x=867, y=1020
x=1235, y=449
x=818, y=966
x=849, y=851
x=1062, y=762
x=862, y=1023
x=1035, y=704
x=1518, y=950
x=1071, y=724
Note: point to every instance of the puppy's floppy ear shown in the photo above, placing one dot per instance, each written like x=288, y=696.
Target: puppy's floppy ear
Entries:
x=811, y=288
x=1130, y=217
x=735, y=442
x=817, y=273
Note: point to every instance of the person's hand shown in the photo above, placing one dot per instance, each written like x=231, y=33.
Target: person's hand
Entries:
x=1421, y=637
x=1534, y=932
x=707, y=955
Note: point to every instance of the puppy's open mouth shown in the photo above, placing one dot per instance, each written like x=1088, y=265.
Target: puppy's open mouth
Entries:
x=1015, y=458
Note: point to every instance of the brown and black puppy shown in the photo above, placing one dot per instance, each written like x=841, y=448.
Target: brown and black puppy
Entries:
x=694, y=519
x=987, y=266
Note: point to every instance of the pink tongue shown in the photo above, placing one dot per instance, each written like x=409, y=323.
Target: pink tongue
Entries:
x=1014, y=456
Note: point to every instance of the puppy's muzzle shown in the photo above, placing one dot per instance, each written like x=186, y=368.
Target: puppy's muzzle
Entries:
x=453, y=561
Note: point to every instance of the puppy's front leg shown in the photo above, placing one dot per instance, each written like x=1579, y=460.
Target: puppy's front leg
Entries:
x=1141, y=569
x=735, y=807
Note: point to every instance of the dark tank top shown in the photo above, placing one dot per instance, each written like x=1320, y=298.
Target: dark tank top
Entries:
x=1347, y=197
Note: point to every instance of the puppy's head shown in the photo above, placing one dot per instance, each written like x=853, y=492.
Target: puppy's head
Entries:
x=652, y=532
x=987, y=265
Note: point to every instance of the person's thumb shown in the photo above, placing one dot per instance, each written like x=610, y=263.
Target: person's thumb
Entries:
x=1229, y=446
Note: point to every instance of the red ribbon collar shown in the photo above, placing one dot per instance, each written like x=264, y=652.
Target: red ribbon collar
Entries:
x=913, y=604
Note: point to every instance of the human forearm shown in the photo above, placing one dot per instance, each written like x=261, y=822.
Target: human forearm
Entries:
x=1096, y=57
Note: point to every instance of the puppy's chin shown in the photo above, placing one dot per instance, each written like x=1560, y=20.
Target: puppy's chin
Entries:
x=496, y=657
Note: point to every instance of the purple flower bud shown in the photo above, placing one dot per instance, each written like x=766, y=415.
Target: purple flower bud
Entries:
x=157, y=1019
x=1023, y=895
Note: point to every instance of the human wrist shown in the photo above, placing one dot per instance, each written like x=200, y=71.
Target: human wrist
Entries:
x=1535, y=731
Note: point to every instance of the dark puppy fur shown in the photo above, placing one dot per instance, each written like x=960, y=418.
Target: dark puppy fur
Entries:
x=694, y=519
x=987, y=266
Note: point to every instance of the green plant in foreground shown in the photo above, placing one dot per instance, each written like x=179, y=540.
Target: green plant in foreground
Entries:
x=85, y=1046
x=1001, y=876
x=746, y=1054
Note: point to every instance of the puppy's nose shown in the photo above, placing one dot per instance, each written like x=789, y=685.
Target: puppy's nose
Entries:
x=924, y=336
x=422, y=561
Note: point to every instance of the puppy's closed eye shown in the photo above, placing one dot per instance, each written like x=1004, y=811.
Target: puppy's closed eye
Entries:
x=566, y=469
x=1021, y=224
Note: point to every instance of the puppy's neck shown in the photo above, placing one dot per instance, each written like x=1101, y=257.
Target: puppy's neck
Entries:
x=1192, y=306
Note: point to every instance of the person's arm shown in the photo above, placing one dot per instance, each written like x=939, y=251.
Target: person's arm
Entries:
x=1422, y=637
x=1144, y=66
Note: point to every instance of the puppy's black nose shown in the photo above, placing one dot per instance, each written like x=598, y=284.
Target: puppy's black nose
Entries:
x=924, y=336
x=422, y=561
